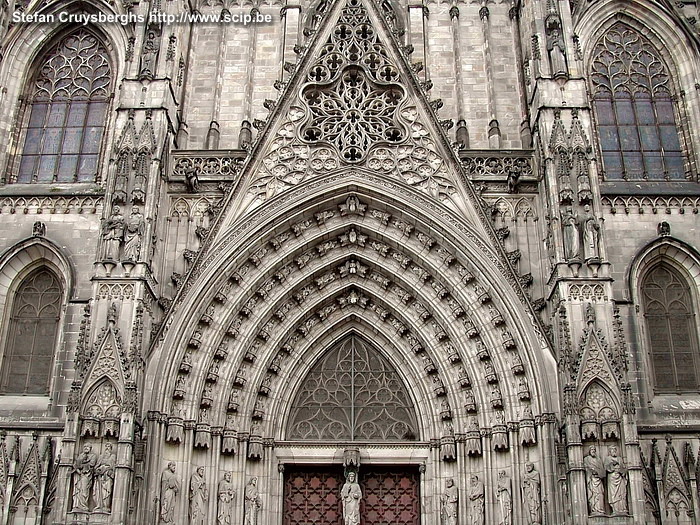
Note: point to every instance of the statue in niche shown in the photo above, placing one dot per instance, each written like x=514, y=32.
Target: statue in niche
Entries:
x=595, y=473
x=580, y=171
x=476, y=501
x=149, y=56
x=104, y=480
x=169, y=489
x=617, y=482
x=591, y=234
x=253, y=503
x=449, y=503
x=351, y=495
x=532, y=494
x=138, y=194
x=113, y=234
x=133, y=235
x=504, y=498
x=572, y=244
x=556, y=49
x=198, y=497
x=226, y=498
x=83, y=477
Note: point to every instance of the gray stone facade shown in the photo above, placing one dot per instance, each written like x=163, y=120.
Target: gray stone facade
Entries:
x=427, y=178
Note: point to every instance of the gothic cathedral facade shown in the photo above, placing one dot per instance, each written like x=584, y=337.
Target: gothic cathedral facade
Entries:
x=353, y=262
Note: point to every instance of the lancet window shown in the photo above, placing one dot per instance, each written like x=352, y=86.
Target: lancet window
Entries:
x=672, y=330
x=32, y=333
x=633, y=100
x=64, y=118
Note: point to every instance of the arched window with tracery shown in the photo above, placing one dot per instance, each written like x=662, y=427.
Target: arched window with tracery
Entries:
x=353, y=394
x=32, y=333
x=65, y=113
x=672, y=330
x=633, y=100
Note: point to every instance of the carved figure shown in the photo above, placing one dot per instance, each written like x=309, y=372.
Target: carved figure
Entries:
x=149, y=57
x=449, y=504
x=199, y=494
x=169, y=489
x=476, y=501
x=113, y=234
x=83, y=472
x=556, y=51
x=591, y=234
x=532, y=494
x=252, y=504
x=226, y=497
x=351, y=494
x=104, y=480
x=133, y=235
x=572, y=244
x=617, y=482
x=505, y=498
x=595, y=473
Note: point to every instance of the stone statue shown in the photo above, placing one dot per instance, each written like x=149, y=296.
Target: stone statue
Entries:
x=83, y=473
x=226, y=498
x=617, y=482
x=252, y=504
x=532, y=494
x=133, y=235
x=505, y=498
x=595, y=473
x=572, y=244
x=198, y=497
x=149, y=57
x=169, y=489
x=351, y=494
x=556, y=51
x=449, y=503
x=591, y=234
x=476, y=501
x=113, y=234
x=104, y=480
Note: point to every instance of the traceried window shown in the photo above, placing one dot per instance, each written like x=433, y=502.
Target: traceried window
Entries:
x=32, y=332
x=671, y=325
x=634, y=108
x=66, y=112
x=352, y=393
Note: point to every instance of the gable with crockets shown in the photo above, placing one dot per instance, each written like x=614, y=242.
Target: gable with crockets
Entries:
x=353, y=102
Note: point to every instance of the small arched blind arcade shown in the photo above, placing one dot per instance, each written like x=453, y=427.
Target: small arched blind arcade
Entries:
x=670, y=320
x=634, y=108
x=31, y=336
x=67, y=108
x=352, y=394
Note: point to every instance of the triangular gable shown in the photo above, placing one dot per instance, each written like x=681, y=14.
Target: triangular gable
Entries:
x=594, y=363
x=26, y=490
x=675, y=483
x=108, y=362
x=353, y=101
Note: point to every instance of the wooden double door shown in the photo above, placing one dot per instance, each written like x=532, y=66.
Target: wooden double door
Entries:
x=390, y=496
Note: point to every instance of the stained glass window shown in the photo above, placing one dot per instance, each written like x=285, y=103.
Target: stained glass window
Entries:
x=67, y=109
x=26, y=365
x=672, y=330
x=352, y=393
x=634, y=109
